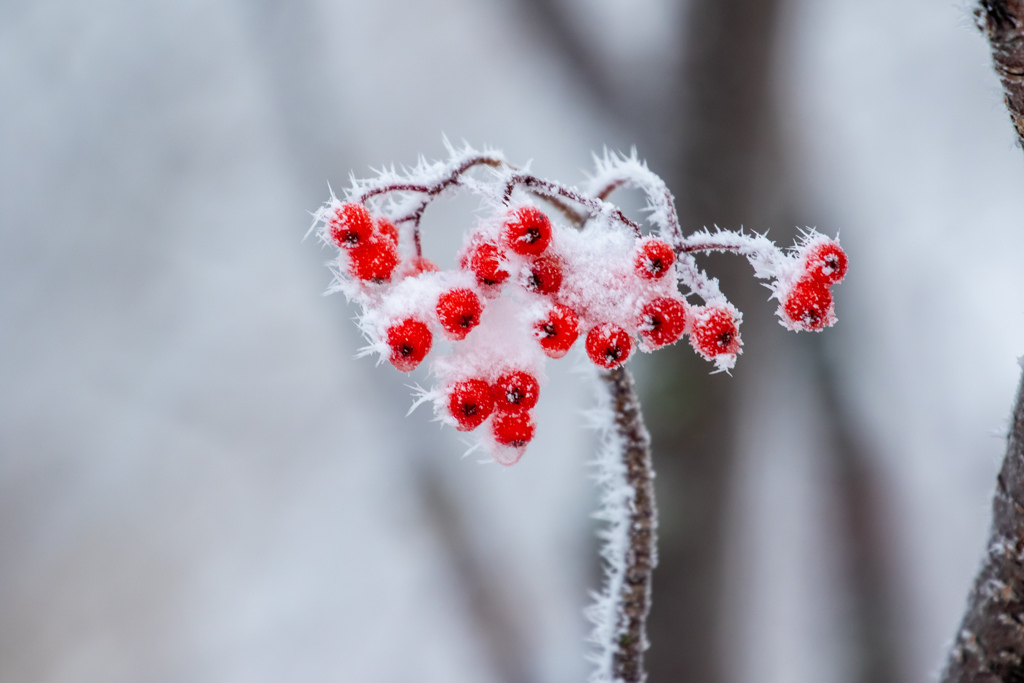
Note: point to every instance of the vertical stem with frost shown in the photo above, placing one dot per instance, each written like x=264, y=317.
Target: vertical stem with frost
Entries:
x=627, y=505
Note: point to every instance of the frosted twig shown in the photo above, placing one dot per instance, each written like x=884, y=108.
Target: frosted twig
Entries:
x=626, y=480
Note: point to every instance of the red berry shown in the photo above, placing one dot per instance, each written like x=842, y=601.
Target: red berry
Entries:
x=514, y=428
x=715, y=332
x=654, y=258
x=608, y=345
x=545, y=275
x=459, y=311
x=662, y=321
x=388, y=229
x=350, y=226
x=485, y=262
x=826, y=262
x=420, y=264
x=527, y=231
x=557, y=331
x=470, y=403
x=809, y=305
x=516, y=390
x=373, y=259
x=410, y=342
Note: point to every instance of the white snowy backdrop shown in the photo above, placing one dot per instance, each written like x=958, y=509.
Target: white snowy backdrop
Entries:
x=198, y=482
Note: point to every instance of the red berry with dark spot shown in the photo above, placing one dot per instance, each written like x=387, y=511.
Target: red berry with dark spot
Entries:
x=714, y=332
x=825, y=261
x=544, y=275
x=608, y=345
x=485, y=262
x=516, y=390
x=809, y=305
x=388, y=229
x=410, y=342
x=350, y=226
x=663, y=321
x=459, y=311
x=374, y=259
x=527, y=231
x=654, y=258
x=470, y=402
x=557, y=331
x=514, y=428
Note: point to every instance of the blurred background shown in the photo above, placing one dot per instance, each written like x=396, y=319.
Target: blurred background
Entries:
x=199, y=482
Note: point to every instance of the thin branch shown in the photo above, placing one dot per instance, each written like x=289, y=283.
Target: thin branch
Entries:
x=431, y=191
x=1002, y=22
x=546, y=188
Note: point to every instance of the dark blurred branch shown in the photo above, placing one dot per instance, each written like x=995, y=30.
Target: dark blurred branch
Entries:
x=556, y=26
x=715, y=128
x=989, y=646
x=1002, y=21
x=488, y=612
x=863, y=513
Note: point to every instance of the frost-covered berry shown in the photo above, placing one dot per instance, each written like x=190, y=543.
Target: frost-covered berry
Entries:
x=514, y=428
x=557, y=331
x=418, y=265
x=608, y=345
x=714, y=332
x=458, y=311
x=486, y=263
x=388, y=229
x=544, y=275
x=470, y=402
x=662, y=321
x=410, y=342
x=516, y=390
x=825, y=261
x=809, y=306
x=374, y=259
x=654, y=258
x=527, y=231
x=351, y=225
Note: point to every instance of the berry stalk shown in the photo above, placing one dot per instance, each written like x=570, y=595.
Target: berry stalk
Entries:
x=626, y=478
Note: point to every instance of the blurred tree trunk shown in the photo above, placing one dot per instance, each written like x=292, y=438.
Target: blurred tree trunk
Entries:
x=719, y=117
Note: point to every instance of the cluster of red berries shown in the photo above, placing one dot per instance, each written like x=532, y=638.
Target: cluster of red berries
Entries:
x=510, y=397
x=807, y=303
x=372, y=251
x=645, y=311
x=661, y=321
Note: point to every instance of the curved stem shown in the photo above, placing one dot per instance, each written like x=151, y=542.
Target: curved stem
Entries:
x=627, y=478
x=546, y=188
x=431, y=191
